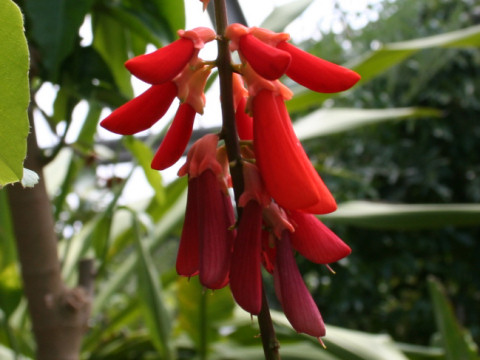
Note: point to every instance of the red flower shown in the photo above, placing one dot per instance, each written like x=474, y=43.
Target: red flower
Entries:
x=315, y=241
x=167, y=62
x=268, y=61
x=317, y=74
x=176, y=139
x=188, y=250
x=141, y=112
x=297, y=303
x=209, y=219
x=289, y=176
x=245, y=270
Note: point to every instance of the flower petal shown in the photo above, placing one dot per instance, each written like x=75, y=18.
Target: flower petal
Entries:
x=188, y=251
x=141, y=112
x=289, y=176
x=176, y=139
x=297, y=303
x=245, y=269
x=266, y=60
x=316, y=241
x=163, y=64
x=215, y=236
x=243, y=121
x=317, y=74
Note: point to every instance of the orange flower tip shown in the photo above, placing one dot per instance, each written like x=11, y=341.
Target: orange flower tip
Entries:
x=268, y=61
x=205, y=4
x=322, y=343
x=234, y=32
x=317, y=74
x=269, y=37
x=163, y=64
x=199, y=36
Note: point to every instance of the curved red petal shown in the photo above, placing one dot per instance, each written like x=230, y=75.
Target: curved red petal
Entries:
x=176, y=139
x=245, y=269
x=267, y=61
x=243, y=121
x=317, y=74
x=215, y=236
x=141, y=112
x=163, y=64
x=188, y=251
x=297, y=302
x=316, y=241
x=285, y=167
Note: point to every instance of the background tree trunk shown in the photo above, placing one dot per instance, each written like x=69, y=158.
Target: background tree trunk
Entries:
x=59, y=315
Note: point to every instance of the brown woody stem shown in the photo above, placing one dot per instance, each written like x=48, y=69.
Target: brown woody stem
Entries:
x=229, y=134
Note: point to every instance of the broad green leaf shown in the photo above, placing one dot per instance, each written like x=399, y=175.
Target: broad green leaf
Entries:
x=8, y=253
x=283, y=15
x=149, y=289
x=453, y=336
x=144, y=156
x=200, y=312
x=172, y=13
x=405, y=216
x=110, y=40
x=350, y=344
x=10, y=289
x=376, y=62
x=419, y=352
x=15, y=96
x=331, y=121
x=54, y=27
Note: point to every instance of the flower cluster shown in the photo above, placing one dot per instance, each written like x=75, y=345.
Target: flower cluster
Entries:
x=282, y=189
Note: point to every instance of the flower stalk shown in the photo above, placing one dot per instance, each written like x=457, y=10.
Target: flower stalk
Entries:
x=229, y=134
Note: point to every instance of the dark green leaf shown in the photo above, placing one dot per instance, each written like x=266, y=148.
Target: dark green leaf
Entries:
x=283, y=15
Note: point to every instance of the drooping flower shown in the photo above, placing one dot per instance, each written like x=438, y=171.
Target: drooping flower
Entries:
x=211, y=217
x=141, y=112
x=245, y=269
x=297, y=303
x=289, y=176
x=167, y=62
x=176, y=139
x=315, y=241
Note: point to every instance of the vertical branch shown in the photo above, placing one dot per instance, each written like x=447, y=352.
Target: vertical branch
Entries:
x=229, y=134
x=59, y=315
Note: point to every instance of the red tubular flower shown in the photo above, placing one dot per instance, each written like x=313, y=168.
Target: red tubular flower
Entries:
x=215, y=236
x=267, y=61
x=297, y=303
x=315, y=241
x=317, y=74
x=188, y=251
x=165, y=63
x=289, y=176
x=176, y=138
x=141, y=112
x=214, y=213
x=245, y=269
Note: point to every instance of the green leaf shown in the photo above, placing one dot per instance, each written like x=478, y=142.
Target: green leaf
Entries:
x=453, y=336
x=54, y=27
x=172, y=13
x=377, y=62
x=10, y=289
x=144, y=156
x=8, y=253
x=331, y=121
x=200, y=312
x=283, y=15
x=110, y=41
x=149, y=289
x=405, y=216
x=15, y=96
